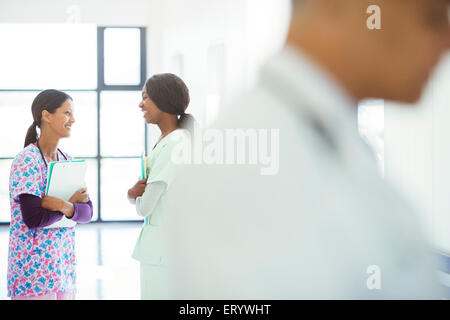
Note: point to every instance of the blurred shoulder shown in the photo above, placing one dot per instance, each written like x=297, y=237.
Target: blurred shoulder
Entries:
x=179, y=135
x=259, y=107
x=176, y=137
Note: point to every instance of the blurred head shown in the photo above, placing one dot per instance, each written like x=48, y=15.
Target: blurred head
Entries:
x=53, y=113
x=165, y=96
x=392, y=63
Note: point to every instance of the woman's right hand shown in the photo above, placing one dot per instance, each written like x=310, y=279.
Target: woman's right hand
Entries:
x=137, y=190
x=80, y=196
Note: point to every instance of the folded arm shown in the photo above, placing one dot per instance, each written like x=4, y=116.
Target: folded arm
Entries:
x=148, y=201
x=35, y=216
x=82, y=212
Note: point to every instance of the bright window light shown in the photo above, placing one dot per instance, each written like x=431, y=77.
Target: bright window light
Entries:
x=15, y=120
x=118, y=175
x=43, y=56
x=5, y=210
x=122, y=124
x=83, y=139
x=122, y=56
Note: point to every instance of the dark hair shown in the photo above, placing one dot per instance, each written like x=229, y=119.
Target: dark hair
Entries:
x=171, y=95
x=49, y=100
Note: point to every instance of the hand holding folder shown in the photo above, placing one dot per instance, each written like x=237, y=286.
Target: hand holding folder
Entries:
x=64, y=179
x=80, y=196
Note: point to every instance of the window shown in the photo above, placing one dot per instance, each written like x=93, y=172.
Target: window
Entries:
x=5, y=166
x=103, y=69
x=40, y=56
x=121, y=123
x=122, y=56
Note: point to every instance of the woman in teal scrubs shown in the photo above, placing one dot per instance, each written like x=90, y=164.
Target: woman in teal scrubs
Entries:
x=165, y=98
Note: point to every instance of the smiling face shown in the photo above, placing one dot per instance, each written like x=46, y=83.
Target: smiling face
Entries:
x=60, y=122
x=151, y=112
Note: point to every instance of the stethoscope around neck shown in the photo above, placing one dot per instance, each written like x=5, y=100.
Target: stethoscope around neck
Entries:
x=42, y=155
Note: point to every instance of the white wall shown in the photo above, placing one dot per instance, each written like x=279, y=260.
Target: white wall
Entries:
x=417, y=154
x=101, y=12
x=249, y=31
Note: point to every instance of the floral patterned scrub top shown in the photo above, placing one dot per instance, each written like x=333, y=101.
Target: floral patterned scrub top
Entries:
x=40, y=261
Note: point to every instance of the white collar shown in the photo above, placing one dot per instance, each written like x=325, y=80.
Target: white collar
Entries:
x=312, y=87
x=308, y=88
x=175, y=133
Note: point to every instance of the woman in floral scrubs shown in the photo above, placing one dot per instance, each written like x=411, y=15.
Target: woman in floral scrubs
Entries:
x=41, y=262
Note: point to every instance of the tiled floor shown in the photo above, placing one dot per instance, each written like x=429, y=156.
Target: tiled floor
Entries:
x=105, y=268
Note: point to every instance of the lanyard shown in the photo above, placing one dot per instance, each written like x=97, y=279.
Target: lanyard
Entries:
x=43, y=158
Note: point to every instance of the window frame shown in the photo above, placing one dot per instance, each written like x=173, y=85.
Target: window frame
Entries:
x=101, y=87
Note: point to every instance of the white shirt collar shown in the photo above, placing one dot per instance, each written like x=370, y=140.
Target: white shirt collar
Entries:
x=314, y=87
x=301, y=83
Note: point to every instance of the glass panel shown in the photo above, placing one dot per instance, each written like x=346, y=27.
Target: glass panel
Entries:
x=40, y=56
x=122, y=56
x=122, y=124
x=15, y=108
x=92, y=183
x=118, y=175
x=5, y=167
x=83, y=139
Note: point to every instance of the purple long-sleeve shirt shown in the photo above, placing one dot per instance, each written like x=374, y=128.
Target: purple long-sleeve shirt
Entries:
x=35, y=216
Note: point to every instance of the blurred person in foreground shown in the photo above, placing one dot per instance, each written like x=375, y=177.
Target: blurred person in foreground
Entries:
x=323, y=224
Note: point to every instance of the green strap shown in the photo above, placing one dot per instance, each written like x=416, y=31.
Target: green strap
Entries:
x=144, y=175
